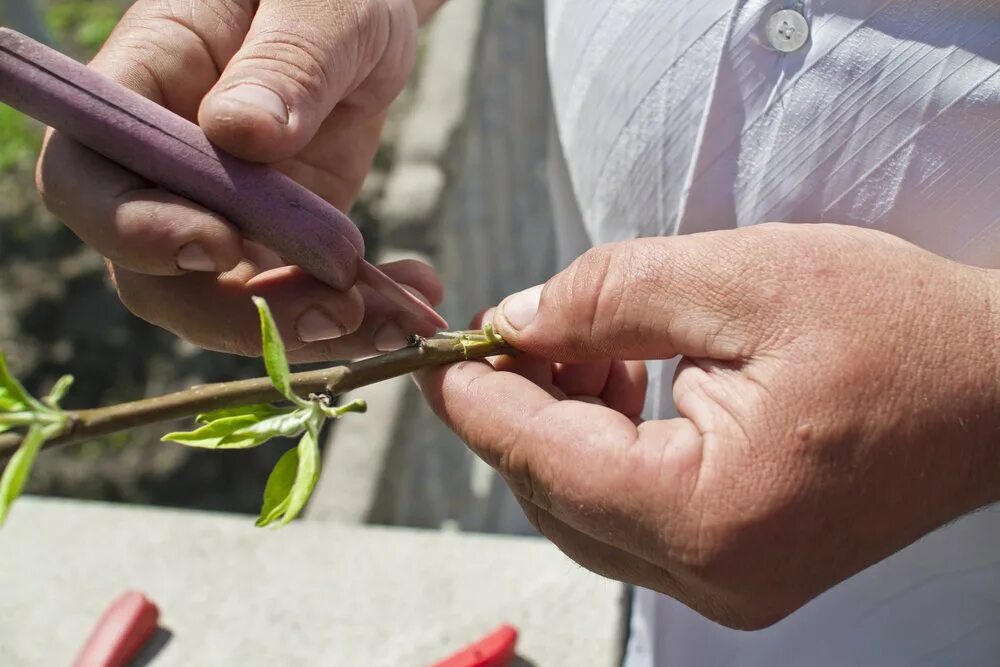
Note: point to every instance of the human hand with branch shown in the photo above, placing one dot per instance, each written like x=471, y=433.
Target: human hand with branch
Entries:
x=839, y=397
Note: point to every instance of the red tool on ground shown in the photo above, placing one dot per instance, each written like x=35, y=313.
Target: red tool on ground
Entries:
x=123, y=630
x=494, y=650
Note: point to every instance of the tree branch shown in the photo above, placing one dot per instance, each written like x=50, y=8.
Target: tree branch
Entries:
x=425, y=353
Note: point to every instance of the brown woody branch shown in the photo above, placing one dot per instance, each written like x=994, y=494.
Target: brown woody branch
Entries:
x=92, y=424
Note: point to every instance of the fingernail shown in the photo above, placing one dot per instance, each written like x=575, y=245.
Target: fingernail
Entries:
x=389, y=338
x=193, y=257
x=315, y=325
x=260, y=98
x=520, y=309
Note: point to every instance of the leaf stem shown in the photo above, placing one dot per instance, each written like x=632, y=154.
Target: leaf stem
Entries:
x=423, y=353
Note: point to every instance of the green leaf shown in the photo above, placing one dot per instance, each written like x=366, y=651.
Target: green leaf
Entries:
x=279, y=487
x=284, y=425
x=20, y=139
x=86, y=22
x=12, y=420
x=15, y=475
x=261, y=411
x=212, y=434
x=306, y=476
x=59, y=391
x=274, y=353
x=242, y=428
x=287, y=492
x=11, y=389
x=8, y=404
x=359, y=406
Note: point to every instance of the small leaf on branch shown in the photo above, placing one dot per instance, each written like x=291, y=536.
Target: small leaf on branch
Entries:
x=8, y=403
x=292, y=481
x=279, y=487
x=274, y=353
x=261, y=411
x=210, y=435
x=280, y=426
x=58, y=392
x=12, y=394
x=15, y=475
x=359, y=406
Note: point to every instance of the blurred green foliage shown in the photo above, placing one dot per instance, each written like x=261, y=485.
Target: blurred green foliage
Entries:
x=79, y=27
x=82, y=23
x=19, y=139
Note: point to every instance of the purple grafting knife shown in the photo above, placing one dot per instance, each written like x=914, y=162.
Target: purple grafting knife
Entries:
x=174, y=153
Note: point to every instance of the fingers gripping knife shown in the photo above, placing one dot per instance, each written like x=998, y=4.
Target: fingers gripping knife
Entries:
x=174, y=153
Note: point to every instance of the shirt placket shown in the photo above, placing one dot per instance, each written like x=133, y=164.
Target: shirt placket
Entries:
x=767, y=41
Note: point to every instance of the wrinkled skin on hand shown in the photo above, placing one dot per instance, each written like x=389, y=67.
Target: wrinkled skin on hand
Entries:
x=294, y=83
x=838, y=399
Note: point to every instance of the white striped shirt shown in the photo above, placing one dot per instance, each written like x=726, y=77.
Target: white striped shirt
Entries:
x=676, y=116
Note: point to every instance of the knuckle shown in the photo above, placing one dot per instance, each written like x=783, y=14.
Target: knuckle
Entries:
x=138, y=221
x=332, y=53
x=586, y=289
x=607, y=290
x=157, y=37
x=298, y=57
x=232, y=16
x=210, y=22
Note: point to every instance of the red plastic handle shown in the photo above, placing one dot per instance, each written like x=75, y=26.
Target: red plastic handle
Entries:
x=494, y=650
x=124, y=628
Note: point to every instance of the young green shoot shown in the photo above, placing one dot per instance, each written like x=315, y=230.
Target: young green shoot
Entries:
x=229, y=415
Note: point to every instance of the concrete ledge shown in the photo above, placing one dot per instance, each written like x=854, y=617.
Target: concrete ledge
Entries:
x=443, y=90
x=309, y=594
x=467, y=189
x=412, y=197
x=356, y=458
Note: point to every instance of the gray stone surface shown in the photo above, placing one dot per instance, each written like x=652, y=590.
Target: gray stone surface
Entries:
x=310, y=594
x=355, y=456
x=493, y=236
x=448, y=65
x=415, y=185
x=412, y=198
x=480, y=118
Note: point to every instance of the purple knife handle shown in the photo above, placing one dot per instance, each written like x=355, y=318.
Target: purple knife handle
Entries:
x=174, y=153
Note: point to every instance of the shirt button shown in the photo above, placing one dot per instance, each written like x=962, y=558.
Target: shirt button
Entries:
x=787, y=31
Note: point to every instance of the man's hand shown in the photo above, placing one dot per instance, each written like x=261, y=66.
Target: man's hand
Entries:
x=300, y=84
x=839, y=397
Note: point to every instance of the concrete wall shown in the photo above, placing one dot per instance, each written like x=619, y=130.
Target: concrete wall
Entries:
x=468, y=190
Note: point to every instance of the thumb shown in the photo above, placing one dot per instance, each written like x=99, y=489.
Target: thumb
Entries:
x=637, y=300
x=300, y=59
